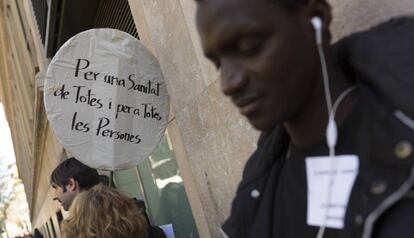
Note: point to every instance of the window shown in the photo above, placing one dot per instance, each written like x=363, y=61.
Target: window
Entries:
x=158, y=182
x=52, y=228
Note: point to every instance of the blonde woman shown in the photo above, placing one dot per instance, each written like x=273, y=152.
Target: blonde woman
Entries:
x=102, y=212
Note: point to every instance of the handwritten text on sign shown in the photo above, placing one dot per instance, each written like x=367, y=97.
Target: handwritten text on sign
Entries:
x=84, y=95
x=106, y=99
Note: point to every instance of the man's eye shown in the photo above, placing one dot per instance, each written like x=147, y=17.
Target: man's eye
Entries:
x=250, y=46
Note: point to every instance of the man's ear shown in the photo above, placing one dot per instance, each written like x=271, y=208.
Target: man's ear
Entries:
x=72, y=185
x=322, y=9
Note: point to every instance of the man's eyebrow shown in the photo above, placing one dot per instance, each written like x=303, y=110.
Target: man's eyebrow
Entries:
x=235, y=32
x=227, y=31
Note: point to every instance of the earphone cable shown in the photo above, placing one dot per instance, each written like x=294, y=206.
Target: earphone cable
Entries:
x=328, y=96
x=338, y=101
x=331, y=130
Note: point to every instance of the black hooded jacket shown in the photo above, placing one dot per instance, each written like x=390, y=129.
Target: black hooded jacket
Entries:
x=381, y=61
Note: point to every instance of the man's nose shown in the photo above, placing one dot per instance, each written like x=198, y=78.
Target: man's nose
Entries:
x=233, y=78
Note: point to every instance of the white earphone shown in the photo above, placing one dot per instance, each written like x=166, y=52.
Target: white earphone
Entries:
x=331, y=128
x=317, y=25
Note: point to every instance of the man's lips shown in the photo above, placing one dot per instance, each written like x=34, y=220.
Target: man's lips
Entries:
x=248, y=105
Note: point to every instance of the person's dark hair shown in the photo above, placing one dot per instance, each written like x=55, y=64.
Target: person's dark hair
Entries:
x=37, y=234
x=86, y=176
x=291, y=5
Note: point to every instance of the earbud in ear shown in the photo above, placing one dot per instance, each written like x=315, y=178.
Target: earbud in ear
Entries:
x=317, y=25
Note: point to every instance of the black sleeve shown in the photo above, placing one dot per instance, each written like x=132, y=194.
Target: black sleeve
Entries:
x=155, y=232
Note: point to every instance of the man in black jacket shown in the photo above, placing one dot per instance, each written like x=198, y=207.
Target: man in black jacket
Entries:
x=335, y=156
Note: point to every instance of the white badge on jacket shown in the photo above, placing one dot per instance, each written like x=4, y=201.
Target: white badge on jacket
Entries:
x=330, y=182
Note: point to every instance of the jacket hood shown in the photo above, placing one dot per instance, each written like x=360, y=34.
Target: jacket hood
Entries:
x=383, y=59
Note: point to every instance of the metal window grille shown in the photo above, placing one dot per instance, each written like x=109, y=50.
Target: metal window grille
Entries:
x=117, y=15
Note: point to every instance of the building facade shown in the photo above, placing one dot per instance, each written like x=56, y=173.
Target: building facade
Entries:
x=200, y=159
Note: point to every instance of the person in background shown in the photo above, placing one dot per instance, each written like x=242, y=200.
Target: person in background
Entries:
x=335, y=158
x=69, y=178
x=37, y=234
x=72, y=177
x=102, y=212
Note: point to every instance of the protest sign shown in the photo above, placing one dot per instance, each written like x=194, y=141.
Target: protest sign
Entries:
x=106, y=99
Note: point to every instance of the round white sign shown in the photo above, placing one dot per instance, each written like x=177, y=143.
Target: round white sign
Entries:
x=106, y=99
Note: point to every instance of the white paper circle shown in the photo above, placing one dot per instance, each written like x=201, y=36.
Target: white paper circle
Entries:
x=106, y=99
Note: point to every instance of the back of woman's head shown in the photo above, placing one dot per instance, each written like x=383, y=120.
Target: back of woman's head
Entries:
x=102, y=212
